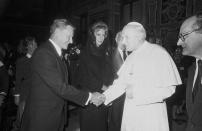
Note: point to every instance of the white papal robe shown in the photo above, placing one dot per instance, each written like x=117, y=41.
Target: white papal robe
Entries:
x=152, y=76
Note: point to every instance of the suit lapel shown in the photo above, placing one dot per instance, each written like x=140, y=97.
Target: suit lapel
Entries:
x=61, y=63
x=195, y=107
x=65, y=70
x=190, y=80
x=52, y=48
x=120, y=57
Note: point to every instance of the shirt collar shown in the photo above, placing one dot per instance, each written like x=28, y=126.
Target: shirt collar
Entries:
x=58, y=49
x=197, y=59
x=120, y=50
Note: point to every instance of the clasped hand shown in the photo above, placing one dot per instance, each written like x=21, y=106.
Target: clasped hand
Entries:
x=97, y=98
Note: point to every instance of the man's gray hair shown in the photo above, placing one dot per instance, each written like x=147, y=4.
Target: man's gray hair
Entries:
x=59, y=23
x=118, y=37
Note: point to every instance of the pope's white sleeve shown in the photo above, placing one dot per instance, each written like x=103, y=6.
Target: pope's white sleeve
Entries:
x=152, y=95
x=114, y=91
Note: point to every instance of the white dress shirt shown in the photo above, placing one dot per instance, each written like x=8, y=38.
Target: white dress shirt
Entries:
x=58, y=49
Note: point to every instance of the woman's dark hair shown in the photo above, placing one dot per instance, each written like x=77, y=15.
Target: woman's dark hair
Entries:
x=24, y=43
x=91, y=42
x=97, y=26
x=28, y=40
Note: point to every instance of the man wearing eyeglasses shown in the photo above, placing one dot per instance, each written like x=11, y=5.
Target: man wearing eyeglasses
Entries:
x=190, y=38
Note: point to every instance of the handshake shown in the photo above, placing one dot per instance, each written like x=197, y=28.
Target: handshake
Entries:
x=97, y=99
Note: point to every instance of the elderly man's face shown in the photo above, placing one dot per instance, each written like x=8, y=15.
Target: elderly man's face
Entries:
x=119, y=41
x=65, y=36
x=189, y=40
x=129, y=39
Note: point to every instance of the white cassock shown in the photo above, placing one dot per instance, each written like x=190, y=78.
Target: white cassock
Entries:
x=152, y=76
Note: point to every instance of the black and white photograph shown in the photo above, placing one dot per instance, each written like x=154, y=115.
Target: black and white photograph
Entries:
x=101, y=65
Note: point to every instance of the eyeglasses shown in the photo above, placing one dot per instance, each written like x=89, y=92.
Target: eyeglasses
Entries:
x=182, y=35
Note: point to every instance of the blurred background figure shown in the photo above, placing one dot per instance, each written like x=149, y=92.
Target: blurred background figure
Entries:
x=27, y=48
x=95, y=73
x=116, y=109
x=4, y=82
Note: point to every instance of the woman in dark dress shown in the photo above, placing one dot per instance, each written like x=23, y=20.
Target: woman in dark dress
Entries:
x=95, y=73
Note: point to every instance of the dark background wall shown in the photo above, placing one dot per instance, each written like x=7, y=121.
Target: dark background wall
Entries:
x=161, y=18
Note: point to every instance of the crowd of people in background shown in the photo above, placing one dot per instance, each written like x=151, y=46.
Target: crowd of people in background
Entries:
x=9, y=57
x=37, y=81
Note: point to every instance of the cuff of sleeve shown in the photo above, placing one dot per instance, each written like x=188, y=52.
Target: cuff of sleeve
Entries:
x=89, y=98
x=17, y=95
x=3, y=93
x=106, y=100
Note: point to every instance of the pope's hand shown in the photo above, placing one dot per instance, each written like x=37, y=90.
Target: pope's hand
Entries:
x=129, y=92
x=104, y=87
x=97, y=99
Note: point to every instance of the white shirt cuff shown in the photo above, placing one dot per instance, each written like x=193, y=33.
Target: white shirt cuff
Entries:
x=89, y=98
x=17, y=95
x=3, y=93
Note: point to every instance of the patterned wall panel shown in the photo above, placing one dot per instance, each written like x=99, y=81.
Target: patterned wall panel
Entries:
x=197, y=6
x=151, y=12
x=173, y=11
x=164, y=18
x=137, y=11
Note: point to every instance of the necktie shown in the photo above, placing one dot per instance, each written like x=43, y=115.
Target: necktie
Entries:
x=197, y=84
x=124, y=55
x=61, y=57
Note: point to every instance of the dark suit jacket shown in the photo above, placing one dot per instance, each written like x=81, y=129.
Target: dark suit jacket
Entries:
x=116, y=109
x=194, y=109
x=23, y=77
x=45, y=108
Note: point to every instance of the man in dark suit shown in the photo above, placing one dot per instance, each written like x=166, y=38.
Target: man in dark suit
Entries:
x=116, y=109
x=45, y=107
x=190, y=38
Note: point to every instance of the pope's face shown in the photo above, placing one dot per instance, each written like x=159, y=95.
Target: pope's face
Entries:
x=65, y=36
x=129, y=39
x=120, y=44
x=99, y=36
